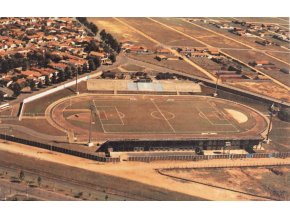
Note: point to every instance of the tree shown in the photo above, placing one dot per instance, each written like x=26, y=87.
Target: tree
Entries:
x=74, y=70
x=40, y=84
x=31, y=84
x=97, y=62
x=80, y=70
x=39, y=181
x=82, y=19
x=68, y=73
x=54, y=78
x=46, y=80
x=25, y=64
x=284, y=114
x=61, y=76
x=103, y=34
x=92, y=65
x=93, y=28
x=4, y=66
x=16, y=88
x=85, y=67
x=21, y=175
x=1, y=96
x=112, y=57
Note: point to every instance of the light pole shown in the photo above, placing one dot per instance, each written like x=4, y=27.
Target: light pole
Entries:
x=92, y=108
x=77, y=88
x=273, y=112
x=216, y=84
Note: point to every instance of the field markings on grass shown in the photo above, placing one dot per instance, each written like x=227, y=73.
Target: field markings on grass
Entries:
x=224, y=116
x=104, y=110
x=211, y=122
x=203, y=115
x=169, y=124
x=208, y=74
x=97, y=112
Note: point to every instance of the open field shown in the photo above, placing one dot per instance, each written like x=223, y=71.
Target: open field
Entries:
x=270, y=182
x=132, y=67
x=205, y=36
x=249, y=42
x=277, y=20
x=71, y=181
x=161, y=117
x=136, y=178
x=160, y=33
x=281, y=55
x=263, y=88
x=120, y=31
x=178, y=65
x=249, y=56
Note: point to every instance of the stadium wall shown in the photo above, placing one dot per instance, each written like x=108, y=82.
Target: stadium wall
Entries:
x=53, y=90
x=188, y=144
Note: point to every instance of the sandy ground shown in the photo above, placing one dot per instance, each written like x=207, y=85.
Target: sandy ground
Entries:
x=272, y=182
x=144, y=172
x=264, y=87
x=237, y=115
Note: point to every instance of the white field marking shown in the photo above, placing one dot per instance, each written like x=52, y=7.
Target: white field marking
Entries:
x=214, y=108
x=228, y=121
x=122, y=123
x=119, y=116
x=219, y=117
x=104, y=112
x=163, y=115
x=214, y=124
x=202, y=115
x=180, y=133
x=155, y=117
x=98, y=113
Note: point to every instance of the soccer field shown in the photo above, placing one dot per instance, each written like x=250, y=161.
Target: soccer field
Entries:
x=157, y=116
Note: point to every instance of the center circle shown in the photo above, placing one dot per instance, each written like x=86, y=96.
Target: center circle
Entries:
x=160, y=115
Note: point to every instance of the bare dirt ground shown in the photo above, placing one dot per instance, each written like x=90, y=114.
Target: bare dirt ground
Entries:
x=250, y=56
x=120, y=31
x=132, y=67
x=264, y=87
x=277, y=20
x=272, y=182
x=178, y=65
x=283, y=56
x=143, y=173
x=202, y=35
x=247, y=42
x=160, y=33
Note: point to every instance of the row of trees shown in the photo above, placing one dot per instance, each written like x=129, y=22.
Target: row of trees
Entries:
x=111, y=41
x=88, y=24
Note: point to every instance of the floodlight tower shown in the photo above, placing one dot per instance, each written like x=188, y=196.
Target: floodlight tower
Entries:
x=273, y=112
x=92, y=109
x=216, y=84
x=77, y=88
